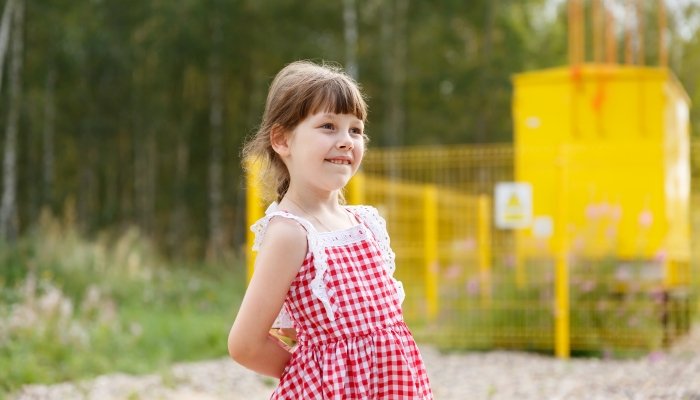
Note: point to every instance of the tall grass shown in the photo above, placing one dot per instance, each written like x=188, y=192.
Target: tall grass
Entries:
x=72, y=308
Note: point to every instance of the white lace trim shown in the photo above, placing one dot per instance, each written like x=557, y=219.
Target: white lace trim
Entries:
x=318, y=242
x=377, y=225
x=283, y=320
x=316, y=247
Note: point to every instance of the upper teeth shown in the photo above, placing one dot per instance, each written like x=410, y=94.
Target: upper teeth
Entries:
x=340, y=162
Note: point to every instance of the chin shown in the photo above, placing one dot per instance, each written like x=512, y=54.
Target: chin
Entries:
x=337, y=184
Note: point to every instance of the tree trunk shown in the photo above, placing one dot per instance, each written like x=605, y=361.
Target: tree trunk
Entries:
x=49, y=128
x=350, y=20
x=215, y=245
x=397, y=111
x=387, y=36
x=145, y=154
x=394, y=38
x=8, y=207
x=484, y=91
x=87, y=189
x=5, y=34
x=178, y=218
x=150, y=182
x=484, y=81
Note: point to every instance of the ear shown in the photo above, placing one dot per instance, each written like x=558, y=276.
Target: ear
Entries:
x=279, y=141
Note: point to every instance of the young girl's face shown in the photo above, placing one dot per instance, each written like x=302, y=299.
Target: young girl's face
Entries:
x=325, y=150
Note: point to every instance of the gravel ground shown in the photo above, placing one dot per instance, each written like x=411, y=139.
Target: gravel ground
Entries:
x=674, y=374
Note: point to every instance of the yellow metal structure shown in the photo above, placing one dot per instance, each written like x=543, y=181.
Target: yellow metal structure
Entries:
x=619, y=138
x=605, y=264
x=484, y=242
x=627, y=135
x=430, y=247
x=254, y=211
x=437, y=202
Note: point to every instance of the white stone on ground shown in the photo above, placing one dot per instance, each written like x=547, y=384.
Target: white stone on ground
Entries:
x=496, y=375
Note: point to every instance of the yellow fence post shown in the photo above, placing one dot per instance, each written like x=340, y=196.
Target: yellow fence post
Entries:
x=562, y=327
x=254, y=212
x=484, y=243
x=430, y=218
x=356, y=187
x=520, y=276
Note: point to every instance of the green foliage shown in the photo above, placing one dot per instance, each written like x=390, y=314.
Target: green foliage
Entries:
x=84, y=308
x=132, y=98
x=607, y=318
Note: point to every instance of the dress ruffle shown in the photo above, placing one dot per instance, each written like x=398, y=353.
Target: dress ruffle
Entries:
x=318, y=242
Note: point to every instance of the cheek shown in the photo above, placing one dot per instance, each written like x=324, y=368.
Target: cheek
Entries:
x=359, y=150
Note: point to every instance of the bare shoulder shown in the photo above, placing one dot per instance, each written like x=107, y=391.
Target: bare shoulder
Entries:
x=286, y=236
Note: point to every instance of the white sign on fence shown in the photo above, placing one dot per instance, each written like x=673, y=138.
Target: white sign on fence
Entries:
x=513, y=205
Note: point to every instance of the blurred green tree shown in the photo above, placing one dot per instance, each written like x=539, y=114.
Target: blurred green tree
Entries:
x=135, y=111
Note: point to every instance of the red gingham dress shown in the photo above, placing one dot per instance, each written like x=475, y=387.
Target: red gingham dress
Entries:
x=355, y=344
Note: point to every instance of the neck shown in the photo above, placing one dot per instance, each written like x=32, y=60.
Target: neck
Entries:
x=313, y=201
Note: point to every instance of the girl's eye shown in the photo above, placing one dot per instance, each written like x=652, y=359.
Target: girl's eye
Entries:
x=356, y=131
x=327, y=126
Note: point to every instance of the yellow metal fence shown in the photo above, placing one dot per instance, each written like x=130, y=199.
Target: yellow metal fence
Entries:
x=470, y=285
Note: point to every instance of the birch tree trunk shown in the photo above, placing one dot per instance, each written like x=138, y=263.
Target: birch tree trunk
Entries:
x=350, y=20
x=484, y=91
x=8, y=207
x=484, y=79
x=5, y=34
x=48, y=139
x=387, y=37
x=215, y=245
x=397, y=111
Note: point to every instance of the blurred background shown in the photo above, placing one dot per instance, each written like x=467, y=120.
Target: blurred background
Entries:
x=123, y=213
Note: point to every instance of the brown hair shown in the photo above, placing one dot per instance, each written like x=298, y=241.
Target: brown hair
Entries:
x=300, y=89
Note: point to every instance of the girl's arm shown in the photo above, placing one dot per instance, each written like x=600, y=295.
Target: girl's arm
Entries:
x=280, y=257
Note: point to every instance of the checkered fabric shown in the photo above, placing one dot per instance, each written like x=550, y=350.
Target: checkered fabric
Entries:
x=367, y=352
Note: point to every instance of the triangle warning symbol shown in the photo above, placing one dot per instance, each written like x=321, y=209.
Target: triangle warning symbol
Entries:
x=514, y=201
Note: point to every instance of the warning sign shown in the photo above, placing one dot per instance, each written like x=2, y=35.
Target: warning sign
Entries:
x=513, y=205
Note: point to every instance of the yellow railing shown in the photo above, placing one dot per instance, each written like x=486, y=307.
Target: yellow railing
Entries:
x=472, y=285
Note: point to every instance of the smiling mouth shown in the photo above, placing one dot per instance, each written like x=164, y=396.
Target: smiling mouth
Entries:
x=339, y=162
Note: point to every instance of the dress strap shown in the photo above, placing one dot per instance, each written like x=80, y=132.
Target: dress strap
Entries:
x=316, y=247
x=377, y=225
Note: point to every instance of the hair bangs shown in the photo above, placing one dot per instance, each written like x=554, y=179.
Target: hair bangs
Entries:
x=338, y=95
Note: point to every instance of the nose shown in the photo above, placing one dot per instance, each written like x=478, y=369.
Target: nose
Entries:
x=345, y=141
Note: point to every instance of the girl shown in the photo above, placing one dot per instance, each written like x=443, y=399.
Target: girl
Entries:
x=323, y=269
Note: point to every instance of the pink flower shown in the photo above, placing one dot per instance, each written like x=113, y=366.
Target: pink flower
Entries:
x=616, y=212
x=453, y=271
x=472, y=286
x=469, y=243
x=655, y=356
x=588, y=286
x=660, y=255
x=592, y=211
x=645, y=219
x=658, y=295
x=509, y=260
x=610, y=232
